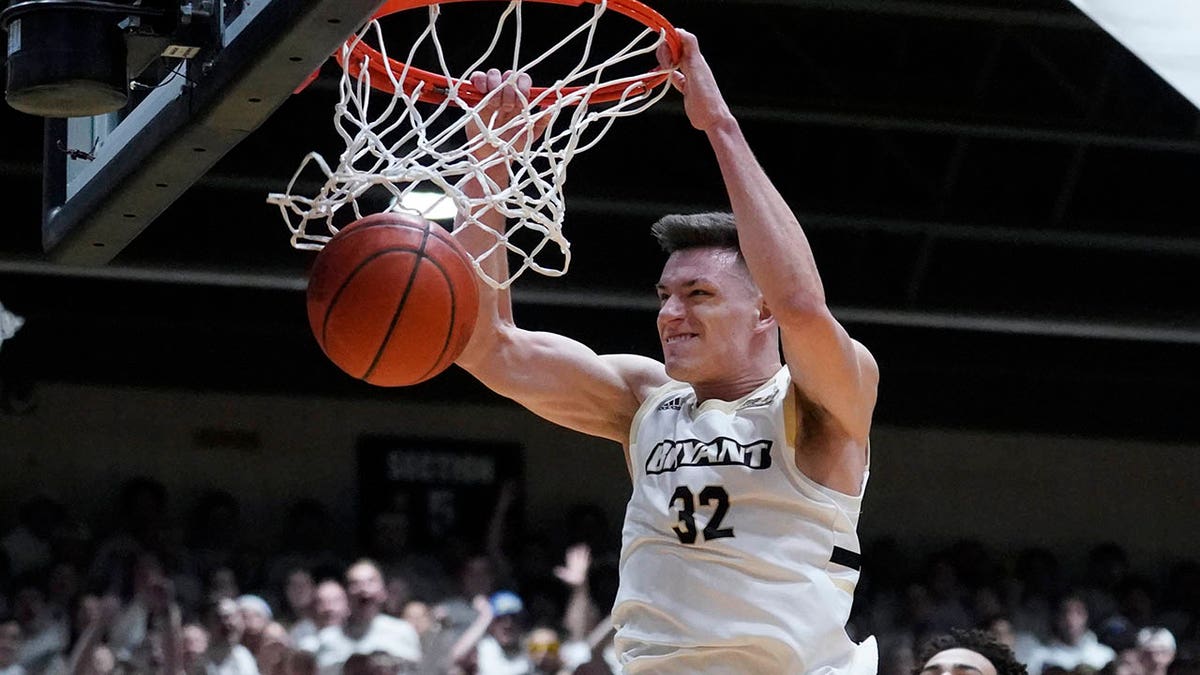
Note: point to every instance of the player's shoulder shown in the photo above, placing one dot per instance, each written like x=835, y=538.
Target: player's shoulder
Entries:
x=866, y=360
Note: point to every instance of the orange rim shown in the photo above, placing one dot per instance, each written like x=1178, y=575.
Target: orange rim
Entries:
x=437, y=85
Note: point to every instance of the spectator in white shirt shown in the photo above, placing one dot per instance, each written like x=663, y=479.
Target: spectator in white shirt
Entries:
x=299, y=603
x=1156, y=646
x=492, y=644
x=193, y=645
x=330, y=607
x=256, y=616
x=225, y=656
x=367, y=629
x=1072, y=644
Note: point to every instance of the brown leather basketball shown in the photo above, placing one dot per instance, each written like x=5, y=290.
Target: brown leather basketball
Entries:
x=392, y=299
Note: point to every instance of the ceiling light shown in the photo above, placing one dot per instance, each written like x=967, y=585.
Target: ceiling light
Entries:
x=433, y=205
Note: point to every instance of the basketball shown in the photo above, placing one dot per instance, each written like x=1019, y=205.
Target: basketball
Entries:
x=392, y=299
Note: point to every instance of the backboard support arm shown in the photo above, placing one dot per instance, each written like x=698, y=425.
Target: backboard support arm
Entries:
x=141, y=164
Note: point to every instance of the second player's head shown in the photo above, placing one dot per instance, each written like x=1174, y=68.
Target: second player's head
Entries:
x=967, y=652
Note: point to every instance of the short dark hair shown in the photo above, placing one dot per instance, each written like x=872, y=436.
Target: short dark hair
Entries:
x=978, y=641
x=677, y=232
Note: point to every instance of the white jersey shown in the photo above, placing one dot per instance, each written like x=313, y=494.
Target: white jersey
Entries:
x=732, y=560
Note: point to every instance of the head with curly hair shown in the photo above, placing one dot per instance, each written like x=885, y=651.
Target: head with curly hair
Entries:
x=967, y=652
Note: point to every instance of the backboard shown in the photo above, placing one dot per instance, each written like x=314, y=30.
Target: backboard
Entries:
x=107, y=177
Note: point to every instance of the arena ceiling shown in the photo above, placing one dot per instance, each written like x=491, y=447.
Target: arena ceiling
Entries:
x=1002, y=201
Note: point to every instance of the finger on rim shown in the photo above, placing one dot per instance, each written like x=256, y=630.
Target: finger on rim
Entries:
x=493, y=79
x=524, y=84
x=679, y=81
x=508, y=96
x=479, y=81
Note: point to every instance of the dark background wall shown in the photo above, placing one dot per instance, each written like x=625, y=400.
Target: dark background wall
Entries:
x=928, y=486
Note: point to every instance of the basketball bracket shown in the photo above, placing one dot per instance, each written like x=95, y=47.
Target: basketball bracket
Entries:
x=108, y=177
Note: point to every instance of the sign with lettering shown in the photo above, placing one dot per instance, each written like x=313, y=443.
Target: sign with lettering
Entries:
x=414, y=494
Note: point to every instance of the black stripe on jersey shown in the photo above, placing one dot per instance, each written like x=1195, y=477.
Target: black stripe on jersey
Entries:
x=846, y=558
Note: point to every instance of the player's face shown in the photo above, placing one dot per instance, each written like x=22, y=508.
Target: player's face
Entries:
x=958, y=661
x=708, y=311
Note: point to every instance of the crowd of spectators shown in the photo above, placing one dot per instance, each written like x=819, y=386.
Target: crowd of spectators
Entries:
x=1106, y=617
x=150, y=597
x=146, y=596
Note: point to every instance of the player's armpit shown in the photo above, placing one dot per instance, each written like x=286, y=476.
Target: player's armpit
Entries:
x=563, y=380
x=824, y=451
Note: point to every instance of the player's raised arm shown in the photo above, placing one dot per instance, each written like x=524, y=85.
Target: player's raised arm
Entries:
x=555, y=377
x=830, y=369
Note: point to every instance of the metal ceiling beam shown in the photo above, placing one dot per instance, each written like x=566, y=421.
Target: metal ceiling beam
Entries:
x=947, y=127
x=825, y=221
x=1073, y=91
x=182, y=127
x=910, y=123
x=641, y=302
x=982, y=233
x=941, y=230
x=983, y=80
x=1070, y=183
x=919, y=178
x=946, y=11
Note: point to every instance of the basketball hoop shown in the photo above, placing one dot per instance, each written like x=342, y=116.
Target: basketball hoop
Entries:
x=404, y=148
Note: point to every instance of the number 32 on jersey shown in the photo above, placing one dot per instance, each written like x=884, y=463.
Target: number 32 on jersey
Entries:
x=684, y=502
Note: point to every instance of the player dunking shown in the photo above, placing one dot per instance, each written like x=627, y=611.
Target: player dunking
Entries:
x=740, y=551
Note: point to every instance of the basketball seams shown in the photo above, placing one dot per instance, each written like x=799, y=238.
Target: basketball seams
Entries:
x=446, y=239
x=362, y=278
x=408, y=286
x=351, y=231
x=348, y=279
x=437, y=364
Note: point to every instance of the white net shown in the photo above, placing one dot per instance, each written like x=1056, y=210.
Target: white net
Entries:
x=411, y=149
